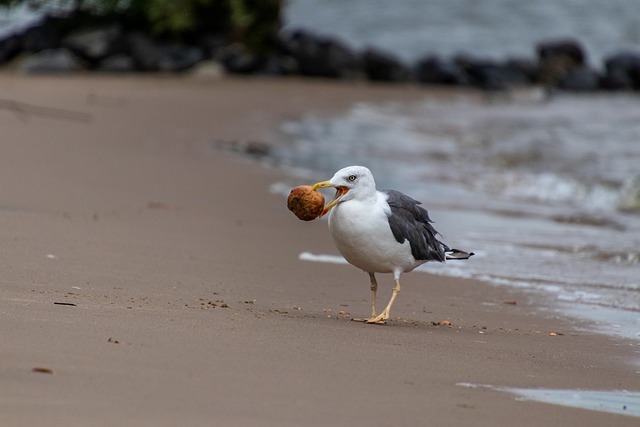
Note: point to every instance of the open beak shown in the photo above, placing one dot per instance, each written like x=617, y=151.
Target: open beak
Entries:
x=340, y=192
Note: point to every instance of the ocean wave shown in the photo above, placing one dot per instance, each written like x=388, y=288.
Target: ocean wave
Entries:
x=548, y=187
x=546, y=192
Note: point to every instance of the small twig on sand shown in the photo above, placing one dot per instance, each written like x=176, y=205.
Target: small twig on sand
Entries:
x=23, y=110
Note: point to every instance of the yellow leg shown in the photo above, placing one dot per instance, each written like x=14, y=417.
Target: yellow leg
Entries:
x=384, y=316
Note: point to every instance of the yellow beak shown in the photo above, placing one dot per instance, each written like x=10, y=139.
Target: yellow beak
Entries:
x=321, y=184
x=340, y=191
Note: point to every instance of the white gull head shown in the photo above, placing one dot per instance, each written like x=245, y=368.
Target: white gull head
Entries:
x=351, y=183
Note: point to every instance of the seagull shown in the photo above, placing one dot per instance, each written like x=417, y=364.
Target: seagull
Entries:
x=381, y=231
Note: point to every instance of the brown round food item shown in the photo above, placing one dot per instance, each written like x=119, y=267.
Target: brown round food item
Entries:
x=305, y=203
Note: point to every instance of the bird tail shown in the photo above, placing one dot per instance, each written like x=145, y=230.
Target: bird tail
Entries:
x=457, y=254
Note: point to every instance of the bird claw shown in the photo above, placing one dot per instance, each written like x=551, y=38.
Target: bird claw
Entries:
x=370, y=321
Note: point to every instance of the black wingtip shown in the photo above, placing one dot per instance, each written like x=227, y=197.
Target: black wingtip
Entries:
x=458, y=254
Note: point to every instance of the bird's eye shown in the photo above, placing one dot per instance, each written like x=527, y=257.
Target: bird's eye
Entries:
x=352, y=178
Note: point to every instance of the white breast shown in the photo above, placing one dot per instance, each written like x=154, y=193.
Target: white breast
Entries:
x=362, y=234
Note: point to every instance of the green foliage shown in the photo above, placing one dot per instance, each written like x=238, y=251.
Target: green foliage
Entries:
x=251, y=22
x=170, y=16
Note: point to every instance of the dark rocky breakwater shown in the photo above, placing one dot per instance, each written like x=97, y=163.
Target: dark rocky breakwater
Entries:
x=62, y=45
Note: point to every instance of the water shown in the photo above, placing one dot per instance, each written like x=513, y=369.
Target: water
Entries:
x=545, y=190
x=489, y=28
x=620, y=402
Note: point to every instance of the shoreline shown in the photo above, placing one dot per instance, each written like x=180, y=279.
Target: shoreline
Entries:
x=190, y=303
x=600, y=318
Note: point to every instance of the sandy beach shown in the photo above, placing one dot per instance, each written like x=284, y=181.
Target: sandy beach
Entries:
x=152, y=279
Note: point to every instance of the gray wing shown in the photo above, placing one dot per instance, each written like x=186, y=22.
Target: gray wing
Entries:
x=410, y=221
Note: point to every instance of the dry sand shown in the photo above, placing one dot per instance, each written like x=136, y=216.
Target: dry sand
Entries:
x=190, y=307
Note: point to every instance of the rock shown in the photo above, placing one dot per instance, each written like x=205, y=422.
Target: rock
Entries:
x=96, y=44
x=622, y=71
x=492, y=75
x=40, y=37
x=382, y=66
x=178, y=57
x=557, y=57
x=435, y=70
x=59, y=60
x=581, y=79
x=146, y=54
x=568, y=50
x=528, y=67
x=279, y=65
x=211, y=44
x=9, y=48
x=208, y=69
x=118, y=63
x=237, y=59
x=320, y=56
x=616, y=79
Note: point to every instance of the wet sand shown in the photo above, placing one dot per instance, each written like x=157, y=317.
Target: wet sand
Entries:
x=155, y=280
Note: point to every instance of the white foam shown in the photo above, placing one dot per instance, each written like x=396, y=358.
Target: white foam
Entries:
x=330, y=259
x=613, y=401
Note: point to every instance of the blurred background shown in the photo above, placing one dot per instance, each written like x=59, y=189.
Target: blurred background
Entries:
x=494, y=29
